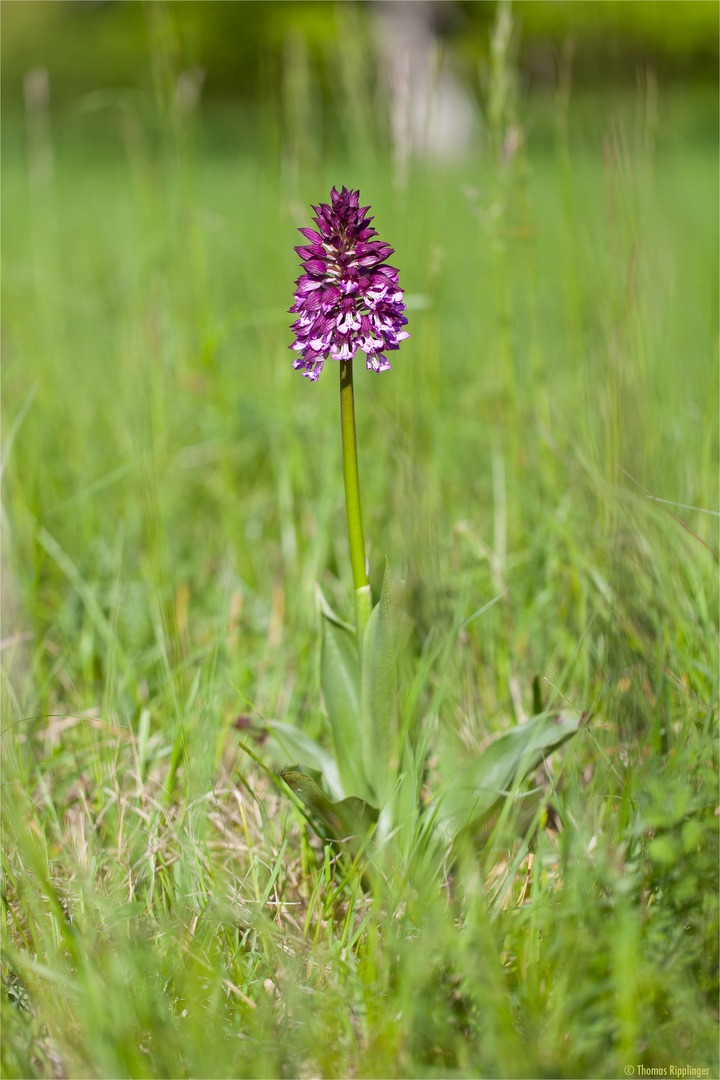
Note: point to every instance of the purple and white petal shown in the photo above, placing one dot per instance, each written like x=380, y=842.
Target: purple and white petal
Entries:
x=347, y=297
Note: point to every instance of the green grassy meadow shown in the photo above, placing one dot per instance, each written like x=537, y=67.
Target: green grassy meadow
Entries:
x=172, y=492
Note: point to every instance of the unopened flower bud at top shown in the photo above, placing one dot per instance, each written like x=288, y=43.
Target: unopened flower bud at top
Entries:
x=347, y=298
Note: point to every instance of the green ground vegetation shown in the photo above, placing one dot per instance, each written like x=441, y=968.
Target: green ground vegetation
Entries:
x=172, y=492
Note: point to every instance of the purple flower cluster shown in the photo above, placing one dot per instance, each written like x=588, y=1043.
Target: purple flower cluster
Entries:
x=348, y=298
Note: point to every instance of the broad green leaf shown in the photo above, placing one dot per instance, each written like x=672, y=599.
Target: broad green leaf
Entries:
x=348, y=820
x=475, y=793
x=380, y=710
x=328, y=612
x=340, y=683
x=526, y=809
x=289, y=743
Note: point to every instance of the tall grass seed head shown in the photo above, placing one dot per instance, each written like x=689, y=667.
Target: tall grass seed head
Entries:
x=348, y=298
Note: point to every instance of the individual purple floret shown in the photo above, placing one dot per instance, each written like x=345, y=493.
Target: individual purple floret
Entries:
x=348, y=298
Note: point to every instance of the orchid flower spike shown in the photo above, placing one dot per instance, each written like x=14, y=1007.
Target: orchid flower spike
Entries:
x=348, y=298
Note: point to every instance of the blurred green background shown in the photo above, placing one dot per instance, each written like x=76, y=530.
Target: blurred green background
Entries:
x=240, y=44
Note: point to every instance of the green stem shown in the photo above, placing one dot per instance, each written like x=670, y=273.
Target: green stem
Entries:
x=363, y=595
